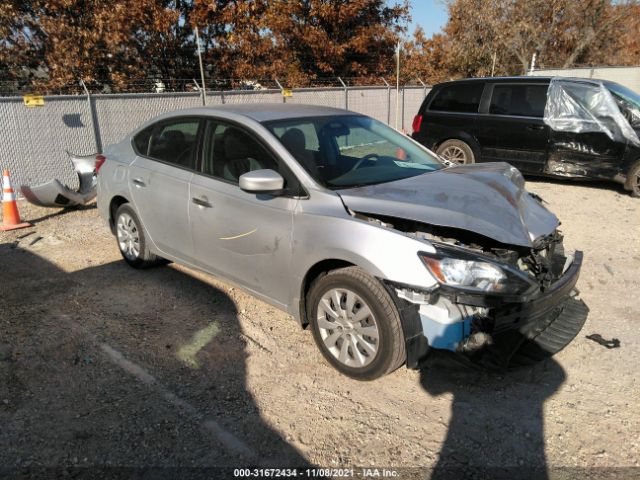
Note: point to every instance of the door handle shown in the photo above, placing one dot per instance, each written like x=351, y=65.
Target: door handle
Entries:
x=201, y=202
x=535, y=127
x=139, y=183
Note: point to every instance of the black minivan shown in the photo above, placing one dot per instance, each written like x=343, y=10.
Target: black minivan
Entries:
x=561, y=127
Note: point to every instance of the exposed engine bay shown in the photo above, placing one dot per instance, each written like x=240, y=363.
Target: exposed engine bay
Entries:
x=495, y=330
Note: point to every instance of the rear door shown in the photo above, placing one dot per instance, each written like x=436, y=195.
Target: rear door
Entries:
x=511, y=127
x=242, y=236
x=451, y=113
x=159, y=183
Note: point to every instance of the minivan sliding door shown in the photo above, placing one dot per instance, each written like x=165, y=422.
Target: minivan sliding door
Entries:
x=511, y=127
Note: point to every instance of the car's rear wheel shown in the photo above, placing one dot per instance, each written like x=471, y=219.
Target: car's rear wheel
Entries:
x=356, y=324
x=131, y=239
x=456, y=151
x=633, y=180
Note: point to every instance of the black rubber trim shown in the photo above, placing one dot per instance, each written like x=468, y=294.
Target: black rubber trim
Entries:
x=416, y=344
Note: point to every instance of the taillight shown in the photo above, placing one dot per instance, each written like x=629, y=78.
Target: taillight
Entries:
x=417, y=123
x=99, y=161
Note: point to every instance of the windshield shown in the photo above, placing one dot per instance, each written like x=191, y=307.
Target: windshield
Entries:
x=628, y=101
x=349, y=151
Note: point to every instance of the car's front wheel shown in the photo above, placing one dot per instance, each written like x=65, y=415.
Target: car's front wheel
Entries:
x=356, y=324
x=131, y=239
x=633, y=180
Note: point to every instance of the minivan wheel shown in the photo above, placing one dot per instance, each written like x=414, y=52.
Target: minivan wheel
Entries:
x=131, y=240
x=356, y=324
x=633, y=180
x=456, y=151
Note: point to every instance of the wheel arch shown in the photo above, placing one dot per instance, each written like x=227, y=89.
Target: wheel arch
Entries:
x=114, y=204
x=316, y=271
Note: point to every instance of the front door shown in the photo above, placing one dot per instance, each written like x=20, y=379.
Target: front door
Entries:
x=242, y=236
x=591, y=143
x=511, y=127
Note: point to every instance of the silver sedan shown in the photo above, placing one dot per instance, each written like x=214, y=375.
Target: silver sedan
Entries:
x=354, y=229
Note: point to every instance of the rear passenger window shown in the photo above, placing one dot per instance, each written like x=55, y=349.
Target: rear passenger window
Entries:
x=519, y=100
x=462, y=97
x=175, y=142
x=141, y=141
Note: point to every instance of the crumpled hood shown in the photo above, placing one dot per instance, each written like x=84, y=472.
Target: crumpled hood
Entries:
x=488, y=199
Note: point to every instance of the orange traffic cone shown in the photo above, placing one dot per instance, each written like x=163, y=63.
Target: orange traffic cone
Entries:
x=10, y=216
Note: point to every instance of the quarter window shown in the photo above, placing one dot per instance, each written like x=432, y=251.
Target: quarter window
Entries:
x=463, y=97
x=141, y=141
x=519, y=100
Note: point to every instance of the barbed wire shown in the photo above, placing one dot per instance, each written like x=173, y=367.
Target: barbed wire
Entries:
x=159, y=84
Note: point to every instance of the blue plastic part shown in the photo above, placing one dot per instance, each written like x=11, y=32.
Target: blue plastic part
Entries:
x=446, y=336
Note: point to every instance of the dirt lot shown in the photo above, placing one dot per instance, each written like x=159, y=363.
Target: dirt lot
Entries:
x=103, y=365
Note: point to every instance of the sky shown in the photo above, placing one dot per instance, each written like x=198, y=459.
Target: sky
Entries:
x=431, y=15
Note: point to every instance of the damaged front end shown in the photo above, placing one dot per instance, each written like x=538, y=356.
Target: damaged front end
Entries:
x=498, y=305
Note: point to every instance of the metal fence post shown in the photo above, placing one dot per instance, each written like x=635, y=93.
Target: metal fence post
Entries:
x=93, y=117
x=424, y=88
x=388, y=100
x=402, y=123
x=346, y=94
x=202, y=93
x=284, y=99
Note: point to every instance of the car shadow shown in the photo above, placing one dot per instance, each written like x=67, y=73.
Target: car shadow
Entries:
x=496, y=429
x=110, y=367
x=57, y=211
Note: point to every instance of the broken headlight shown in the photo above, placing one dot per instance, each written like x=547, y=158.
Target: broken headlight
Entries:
x=474, y=273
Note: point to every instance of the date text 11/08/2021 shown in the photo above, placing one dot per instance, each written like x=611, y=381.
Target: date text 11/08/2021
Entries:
x=315, y=473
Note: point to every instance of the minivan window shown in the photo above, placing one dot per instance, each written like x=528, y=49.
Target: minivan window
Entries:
x=175, y=142
x=628, y=101
x=519, y=100
x=462, y=97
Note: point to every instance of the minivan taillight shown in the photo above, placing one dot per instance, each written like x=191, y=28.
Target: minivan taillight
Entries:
x=417, y=123
x=99, y=161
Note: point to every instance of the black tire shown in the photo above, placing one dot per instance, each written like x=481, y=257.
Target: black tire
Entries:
x=144, y=258
x=633, y=180
x=390, y=343
x=456, y=151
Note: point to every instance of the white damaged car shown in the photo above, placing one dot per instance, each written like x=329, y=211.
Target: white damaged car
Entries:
x=356, y=230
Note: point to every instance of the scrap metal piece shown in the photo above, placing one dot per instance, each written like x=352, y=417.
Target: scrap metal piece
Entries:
x=596, y=337
x=55, y=194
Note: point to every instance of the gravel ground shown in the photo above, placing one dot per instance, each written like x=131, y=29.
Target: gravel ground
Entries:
x=103, y=365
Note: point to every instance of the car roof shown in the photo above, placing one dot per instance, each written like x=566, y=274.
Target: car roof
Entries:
x=522, y=79
x=264, y=112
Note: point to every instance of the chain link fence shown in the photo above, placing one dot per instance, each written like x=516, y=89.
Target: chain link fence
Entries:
x=36, y=139
x=627, y=76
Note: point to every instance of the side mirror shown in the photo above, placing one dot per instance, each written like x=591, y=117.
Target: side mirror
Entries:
x=262, y=181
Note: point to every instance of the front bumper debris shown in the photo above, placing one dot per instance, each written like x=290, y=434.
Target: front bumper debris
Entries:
x=55, y=194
